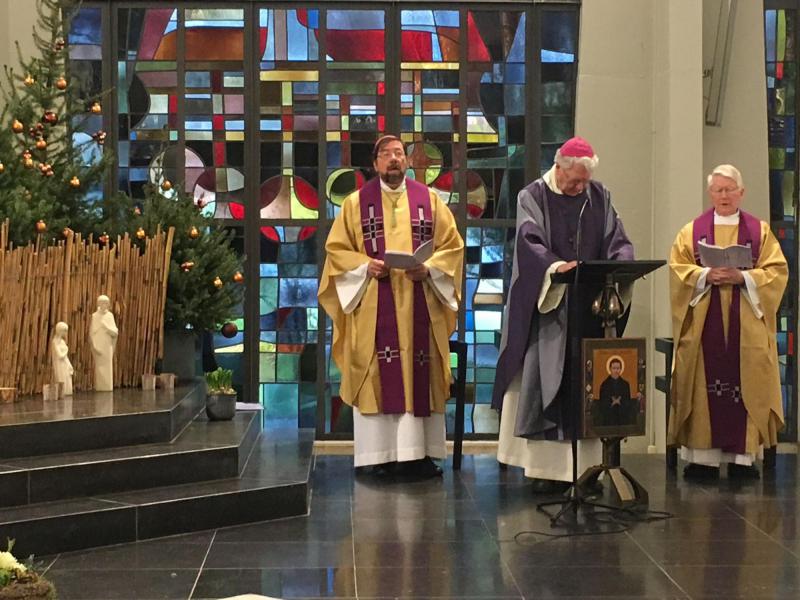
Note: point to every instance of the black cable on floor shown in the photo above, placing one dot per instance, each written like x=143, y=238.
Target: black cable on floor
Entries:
x=622, y=518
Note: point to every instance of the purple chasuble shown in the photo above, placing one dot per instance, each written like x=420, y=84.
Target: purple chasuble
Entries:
x=726, y=408
x=387, y=343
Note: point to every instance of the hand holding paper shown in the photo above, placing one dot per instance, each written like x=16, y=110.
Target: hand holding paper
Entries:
x=404, y=260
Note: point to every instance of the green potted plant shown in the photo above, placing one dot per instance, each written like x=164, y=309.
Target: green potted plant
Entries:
x=19, y=581
x=220, y=395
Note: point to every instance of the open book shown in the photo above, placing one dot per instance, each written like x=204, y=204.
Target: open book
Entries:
x=738, y=257
x=404, y=260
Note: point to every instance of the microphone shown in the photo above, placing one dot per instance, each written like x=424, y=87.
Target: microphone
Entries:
x=578, y=235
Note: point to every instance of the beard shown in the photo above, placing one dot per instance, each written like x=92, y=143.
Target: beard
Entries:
x=393, y=176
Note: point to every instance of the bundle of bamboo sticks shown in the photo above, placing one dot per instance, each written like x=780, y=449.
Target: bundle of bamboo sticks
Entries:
x=42, y=285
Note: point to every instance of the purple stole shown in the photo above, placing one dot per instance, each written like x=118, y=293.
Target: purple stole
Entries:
x=387, y=343
x=722, y=367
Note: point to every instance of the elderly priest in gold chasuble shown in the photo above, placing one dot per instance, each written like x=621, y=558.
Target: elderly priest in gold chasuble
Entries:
x=392, y=284
x=727, y=276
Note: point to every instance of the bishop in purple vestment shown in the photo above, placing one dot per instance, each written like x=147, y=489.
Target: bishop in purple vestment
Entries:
x=563, y=216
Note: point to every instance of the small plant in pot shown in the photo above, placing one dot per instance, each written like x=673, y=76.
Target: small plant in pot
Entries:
x=220, y=395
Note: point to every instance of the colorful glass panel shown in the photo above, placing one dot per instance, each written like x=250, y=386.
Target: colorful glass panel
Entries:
x=85, y=73
x=146, y=94
x=781, y=70
x=489, y=252
x=354, y=100
x=559, y=31
x=496, y=129
x=213, y=123
x=430, y=104
x=288, y=323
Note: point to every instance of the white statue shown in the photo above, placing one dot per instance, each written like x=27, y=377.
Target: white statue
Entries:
x=59, y=357
x=103, y=335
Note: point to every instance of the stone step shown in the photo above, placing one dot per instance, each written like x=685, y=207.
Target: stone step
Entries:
x=94, y=420
x=274, y=483
x=203, y=451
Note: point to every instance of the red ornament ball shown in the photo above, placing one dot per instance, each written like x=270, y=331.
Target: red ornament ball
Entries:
x=229, y=330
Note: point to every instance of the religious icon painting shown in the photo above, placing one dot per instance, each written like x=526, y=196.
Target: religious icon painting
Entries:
x=614, y=387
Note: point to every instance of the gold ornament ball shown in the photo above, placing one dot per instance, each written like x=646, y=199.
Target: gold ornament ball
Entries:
x=166, y=185
x=2, y=168
x=41, y=226
x=187, y=266
x=218, y=283
x=41, y=145
x=194, y=233
x=96, y=108
x=17, y=126
x=29, y=80
x=238, y=277
x=28, y=163
x=140, y=234
x=61, y=83
x=75, y=182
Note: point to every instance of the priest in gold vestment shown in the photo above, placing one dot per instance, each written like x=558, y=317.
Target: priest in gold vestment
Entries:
x=391, y=326
x=725, y=394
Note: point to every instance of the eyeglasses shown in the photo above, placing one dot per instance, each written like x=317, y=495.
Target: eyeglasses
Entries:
x=399, y=153
x=721, y=191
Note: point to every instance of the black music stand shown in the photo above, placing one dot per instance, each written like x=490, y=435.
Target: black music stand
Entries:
x=587, y=276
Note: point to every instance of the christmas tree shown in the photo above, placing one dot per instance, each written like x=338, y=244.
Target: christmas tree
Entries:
x=50, y=181
x=205, y=280
x=45, y=175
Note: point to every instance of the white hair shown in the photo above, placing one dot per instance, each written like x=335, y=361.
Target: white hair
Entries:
x=567, y=162
x=728, y=171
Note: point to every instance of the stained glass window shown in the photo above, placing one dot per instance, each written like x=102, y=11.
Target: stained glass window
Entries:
x=288, y=323
x=781, y=74
x=268, y=115
x=559, y=31
x=146, y=90
x=213, y=116
x=496, y=129
x=85, y=71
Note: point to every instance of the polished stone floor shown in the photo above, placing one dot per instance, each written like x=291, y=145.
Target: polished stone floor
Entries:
x=455, y=538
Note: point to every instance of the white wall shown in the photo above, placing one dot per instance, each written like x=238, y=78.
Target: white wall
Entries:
x=17, y=18
x=640, y=103
x=741, y=137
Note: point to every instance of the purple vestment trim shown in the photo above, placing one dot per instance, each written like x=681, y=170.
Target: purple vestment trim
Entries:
x=727, y=412
x=387, y=344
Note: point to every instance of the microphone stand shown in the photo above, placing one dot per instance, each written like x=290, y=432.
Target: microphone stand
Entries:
x=575, y=496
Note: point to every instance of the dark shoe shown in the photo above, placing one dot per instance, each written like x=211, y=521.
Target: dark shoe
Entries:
x=742, y=472
x=428, y=468
x=423, y=468
x=381, y=471
x=700, y=472
x=549, y=486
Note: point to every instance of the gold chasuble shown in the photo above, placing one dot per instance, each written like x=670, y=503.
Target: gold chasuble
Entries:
x=354, y=332
x=690, y=421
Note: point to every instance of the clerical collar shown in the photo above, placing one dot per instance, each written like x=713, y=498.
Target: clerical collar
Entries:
x=550, y=180
x=729, y=220
x=385, y=187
